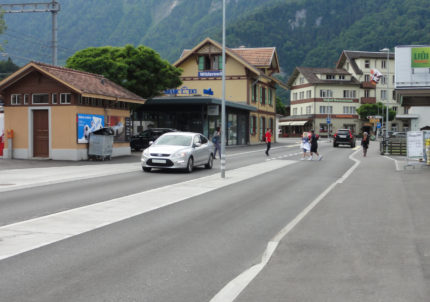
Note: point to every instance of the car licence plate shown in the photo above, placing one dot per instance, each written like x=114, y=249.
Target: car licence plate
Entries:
x=159, y=161
x=342, y=136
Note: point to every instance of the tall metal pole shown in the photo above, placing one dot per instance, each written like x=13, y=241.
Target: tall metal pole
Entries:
x=223, y=124
x=386, y=97
x=54, y=33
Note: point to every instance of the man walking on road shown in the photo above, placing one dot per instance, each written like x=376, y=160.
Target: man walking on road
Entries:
x=268, y=140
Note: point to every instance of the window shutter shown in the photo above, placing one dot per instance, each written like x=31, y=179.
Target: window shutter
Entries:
x=251, y=126
x=220, y=62
x=261, y=95
x=201, y=62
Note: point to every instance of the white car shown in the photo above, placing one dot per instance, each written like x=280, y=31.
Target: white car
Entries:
x=178, y=150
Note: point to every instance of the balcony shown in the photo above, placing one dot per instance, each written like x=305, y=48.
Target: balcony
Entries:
x=368, y=100
x=367, y=85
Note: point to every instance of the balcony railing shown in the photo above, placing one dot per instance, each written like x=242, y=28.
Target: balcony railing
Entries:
x=368, y=85
x=368, y=100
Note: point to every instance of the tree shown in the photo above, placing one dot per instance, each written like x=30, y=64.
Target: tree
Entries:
x=7, y=67
x=139, y=69
x=366, y=110
x=280, y=107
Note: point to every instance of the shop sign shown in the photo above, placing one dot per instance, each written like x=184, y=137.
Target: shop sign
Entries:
x=87, y=123
x=181, y=91
x=210, y=74
x=213, y=110
x=420, y=57
x=338, y=101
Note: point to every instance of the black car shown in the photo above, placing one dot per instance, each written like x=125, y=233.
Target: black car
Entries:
x=344, y=137
x=141, y=141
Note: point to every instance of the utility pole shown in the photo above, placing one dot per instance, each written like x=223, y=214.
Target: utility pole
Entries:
x=52, y=7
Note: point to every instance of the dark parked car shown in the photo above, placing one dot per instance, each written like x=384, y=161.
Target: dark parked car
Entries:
x=344, y=137
x=141, y=141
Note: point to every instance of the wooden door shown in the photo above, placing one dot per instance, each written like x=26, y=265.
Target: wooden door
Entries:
x=40, y=133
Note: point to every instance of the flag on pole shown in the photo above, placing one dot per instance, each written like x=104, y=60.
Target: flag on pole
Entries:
x=375, y=76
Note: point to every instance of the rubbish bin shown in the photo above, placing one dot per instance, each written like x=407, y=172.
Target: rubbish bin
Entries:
x=101, y=144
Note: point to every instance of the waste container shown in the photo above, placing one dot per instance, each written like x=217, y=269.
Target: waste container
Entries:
x=101, y=144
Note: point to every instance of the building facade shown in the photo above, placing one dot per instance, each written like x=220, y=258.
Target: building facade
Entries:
x=327, y=98
x=249, y=81
x=52, y=109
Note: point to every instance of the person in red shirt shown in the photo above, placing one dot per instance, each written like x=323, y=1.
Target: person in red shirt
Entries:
x=268, y=140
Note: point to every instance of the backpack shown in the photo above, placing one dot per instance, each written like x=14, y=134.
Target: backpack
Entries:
x=214, y=140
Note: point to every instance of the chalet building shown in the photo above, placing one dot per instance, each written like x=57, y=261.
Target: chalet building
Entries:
x=323, y=96
x=52, y=109
x=250, y=93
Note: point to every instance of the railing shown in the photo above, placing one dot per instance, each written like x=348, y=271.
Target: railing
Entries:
x=396, y=146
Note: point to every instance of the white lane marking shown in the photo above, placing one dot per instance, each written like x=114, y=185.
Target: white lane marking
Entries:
x=261, y=150
x=232, y=290
x=34, y=177
x=27, y=235
x=396, y=162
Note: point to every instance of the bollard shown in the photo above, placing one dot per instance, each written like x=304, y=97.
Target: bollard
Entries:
x=9, y=135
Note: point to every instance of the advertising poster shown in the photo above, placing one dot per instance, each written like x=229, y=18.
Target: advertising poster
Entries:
x=121, y=127
x=88, y=123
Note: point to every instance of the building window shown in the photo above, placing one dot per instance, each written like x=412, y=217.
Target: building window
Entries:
x=262, y=95
x=212, y=62
x=302, y=95
x=41, y=98
x=66, y=98
x=367, y=93
x=383, y=64
x=383, y=94
x=294, y=111
x=348, y=110
x=301, y=80
x=295, y=96
x=309, y=94
x=330, y=77
x=326, y=93
x=26, y=98
x=341, y=77
x=253, y=125
x=367, y=64
x=349, y=94
x=384, y=80
x=270, y=97
x=326, y=109
x=15, y=99
x=301, y=110
x=54, y=98
x=367, y=78
x=254, y=93
x=308, y=109
x=271, y=124
x=322, y=109
x=394, y=108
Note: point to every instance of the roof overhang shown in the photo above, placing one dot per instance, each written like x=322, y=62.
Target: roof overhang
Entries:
x=197, y=101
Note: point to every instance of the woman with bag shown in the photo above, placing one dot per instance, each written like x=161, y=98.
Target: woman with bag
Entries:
x=365, y=143
x=216, y=139
x=305, y=146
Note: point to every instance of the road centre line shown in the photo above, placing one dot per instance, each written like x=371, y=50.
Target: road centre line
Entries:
x=27, y=235
x=233, y=289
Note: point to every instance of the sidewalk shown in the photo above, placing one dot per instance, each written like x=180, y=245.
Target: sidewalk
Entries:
x=367, y=240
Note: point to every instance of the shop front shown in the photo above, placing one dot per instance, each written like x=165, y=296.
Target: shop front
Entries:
x=198, y=114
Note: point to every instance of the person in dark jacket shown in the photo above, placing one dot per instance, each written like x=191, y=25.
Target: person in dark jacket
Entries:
x=365, y=143
x=314, y=145
x=216, y=139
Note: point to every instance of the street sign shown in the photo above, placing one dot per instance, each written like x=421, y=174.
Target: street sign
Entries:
x=378, y=125
x=328, y=120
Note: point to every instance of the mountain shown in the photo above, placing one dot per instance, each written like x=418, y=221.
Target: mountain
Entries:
x=309, y=33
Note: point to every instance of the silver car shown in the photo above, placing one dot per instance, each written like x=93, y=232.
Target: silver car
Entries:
x=178, y=150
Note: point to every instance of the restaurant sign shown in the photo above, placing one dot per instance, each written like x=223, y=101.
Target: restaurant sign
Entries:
x=181, y=91
x=420, y=57
x=210, y=74
x=338, y=100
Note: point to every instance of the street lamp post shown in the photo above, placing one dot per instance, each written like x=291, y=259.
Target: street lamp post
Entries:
x=387, y=50
x=223, y=137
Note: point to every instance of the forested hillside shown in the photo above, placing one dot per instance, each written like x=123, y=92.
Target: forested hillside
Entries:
x=306, y=32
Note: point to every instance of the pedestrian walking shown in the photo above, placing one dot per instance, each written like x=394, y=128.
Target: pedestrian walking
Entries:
x=314, y=145
x=365, y=143
x=305, y=146
x=216, y=140
x=268, y=140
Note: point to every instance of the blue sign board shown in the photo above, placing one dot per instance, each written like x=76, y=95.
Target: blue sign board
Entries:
x=88, y=123
x=210, y=74
x=183, y=90
x=328, y=120
x=378, y=125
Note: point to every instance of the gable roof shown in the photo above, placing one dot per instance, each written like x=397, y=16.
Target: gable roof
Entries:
x=84, y=83
x=252, y=58
x=310, y=75
x=351, y=56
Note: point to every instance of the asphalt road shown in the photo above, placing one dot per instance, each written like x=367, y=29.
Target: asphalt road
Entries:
x=186, y=251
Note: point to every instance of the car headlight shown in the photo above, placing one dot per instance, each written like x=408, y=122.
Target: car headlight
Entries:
x=180, y=154
x=145, y=153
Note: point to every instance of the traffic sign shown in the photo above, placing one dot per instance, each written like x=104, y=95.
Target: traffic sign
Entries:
x=328, y=120
x=378, y=125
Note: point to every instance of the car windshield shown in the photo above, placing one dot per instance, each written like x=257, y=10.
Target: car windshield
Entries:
x=343, y=132
x=174, y=140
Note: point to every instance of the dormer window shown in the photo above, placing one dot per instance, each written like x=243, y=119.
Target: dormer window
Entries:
x=341, y=77
x=210, y=62
x=330, y=77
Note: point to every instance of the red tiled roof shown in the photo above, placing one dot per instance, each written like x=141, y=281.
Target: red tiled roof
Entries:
x=89, y=83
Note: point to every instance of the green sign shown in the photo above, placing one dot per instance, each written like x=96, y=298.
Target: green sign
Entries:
x=338, y=101
x=420, y=57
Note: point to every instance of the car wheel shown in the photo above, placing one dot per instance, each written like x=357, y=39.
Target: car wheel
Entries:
x=190, y=165
x=210, y=163
x=145, y=169
x=335, y=145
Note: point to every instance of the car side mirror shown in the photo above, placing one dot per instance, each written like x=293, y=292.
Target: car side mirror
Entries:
x=196, y=145
x=151, y=142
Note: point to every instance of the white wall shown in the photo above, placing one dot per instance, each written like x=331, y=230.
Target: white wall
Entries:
x=424, y=117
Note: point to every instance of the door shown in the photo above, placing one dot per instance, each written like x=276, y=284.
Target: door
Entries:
x=40, y=133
